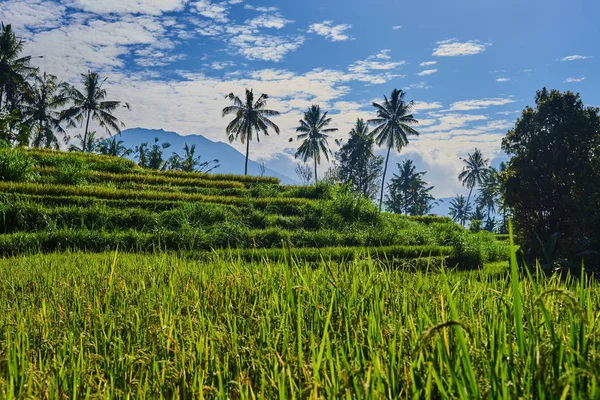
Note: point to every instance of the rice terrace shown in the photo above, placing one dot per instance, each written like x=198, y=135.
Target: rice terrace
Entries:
x=305, y=245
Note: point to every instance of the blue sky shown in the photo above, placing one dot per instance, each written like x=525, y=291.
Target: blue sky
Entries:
x=469, y=65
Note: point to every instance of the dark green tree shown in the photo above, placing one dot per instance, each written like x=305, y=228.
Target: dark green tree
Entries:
x=42, y=110
x=90, y=105
x=189, y=162
x=552, y=181
x=460, y=210
x=88, y=147
x=313, y=131
x=251, y=118
x=408, y=192
x=358, y=166
x=15, y=70
x=113, y=147
x=393, y=125
x=475, y=169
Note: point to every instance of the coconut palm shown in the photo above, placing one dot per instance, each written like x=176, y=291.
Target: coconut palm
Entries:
x=489, y=192
x=14, y=69
x=313, y=130
x=113, y=147
x=90, y=105
x=251, y=118
x=41, y=110
x=475, y=169
x=85, y=147
x=394, y=120
x=460, y=209
x=189, y=162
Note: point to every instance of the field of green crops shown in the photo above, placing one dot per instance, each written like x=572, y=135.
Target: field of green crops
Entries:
x=116, y=282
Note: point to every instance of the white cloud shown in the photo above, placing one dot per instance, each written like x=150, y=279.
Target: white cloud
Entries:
x=275, y=21
x=448, y=122
x=452, y=47
x=574, y=58
x=220, y=65
x=427, y=63
x=424, y=106
x=502, y=79
x=32, y=14
x=257, y=46
x=574, y=79
x=207, y=9
x=396, y=27
x=260, y=9
x=333, y=33
x=150, y=7
x=427, y=72
x=420, y=85
x=468, y=105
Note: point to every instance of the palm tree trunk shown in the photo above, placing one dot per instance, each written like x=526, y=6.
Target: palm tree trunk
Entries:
x=247, y=154
x=467, y=205
x=1, y=97
x=383, y=180
x=316, y=180
x=87, y=124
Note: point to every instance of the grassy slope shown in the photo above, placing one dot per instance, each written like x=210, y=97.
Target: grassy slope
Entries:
x=162, y=325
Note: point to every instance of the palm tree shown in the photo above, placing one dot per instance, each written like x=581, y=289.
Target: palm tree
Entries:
x=85, y=147
x=489, y=192
x=460, y=209
x=40, y=111
x=14, y=69
x=250, y=118
x=113, y=147
x=90, y=105
x=189, y=162
x=409, y=193
x=393, y=127
x=313, y=130
x=474, y=170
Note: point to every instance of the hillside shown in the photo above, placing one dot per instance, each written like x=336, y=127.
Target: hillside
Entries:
x=96, y=203
x=231, y=161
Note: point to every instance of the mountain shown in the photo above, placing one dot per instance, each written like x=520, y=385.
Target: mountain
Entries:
x=231, y=160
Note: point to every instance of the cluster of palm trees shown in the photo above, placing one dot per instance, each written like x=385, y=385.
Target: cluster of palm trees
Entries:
x=393, y=124
x=40, y=107
x=477, y=173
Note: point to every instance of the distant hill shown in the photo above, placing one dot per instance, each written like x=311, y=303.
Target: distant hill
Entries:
x=231, y=160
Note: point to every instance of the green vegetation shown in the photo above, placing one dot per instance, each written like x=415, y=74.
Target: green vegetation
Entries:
x=119, y=325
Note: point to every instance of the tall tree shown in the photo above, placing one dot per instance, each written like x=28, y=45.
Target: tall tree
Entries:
x=113, y=147
x=394, y=120
x=475, y=169
x=460, y=209
x=489, y=193
x=41, y=110
x=90, y=105
x=189, y=162
x=358, y=166
x=14, y=69
x=152, y=157
x=313, y=131
x=552, y=181
x=251, y=118
x=409, y=193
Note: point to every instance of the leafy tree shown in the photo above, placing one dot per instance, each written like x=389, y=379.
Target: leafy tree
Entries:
x=358, y=166
x=475, y=169
x=552, y=181
x=409, y=193
x=304, y=173
x=313, y=131
x=152, y=157
x=14, y=69
x=91, y=105
x=189, y=162
x=460, y=210
x=113, y=147
x=394, y=120
x=251, y=118
x=90, y=146
x=41, y=110
x=13, y=130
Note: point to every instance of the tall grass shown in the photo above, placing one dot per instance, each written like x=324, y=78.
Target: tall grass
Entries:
x=149, y=326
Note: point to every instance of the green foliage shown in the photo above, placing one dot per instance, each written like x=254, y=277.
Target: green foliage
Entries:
x=72, y=172
x=408, y=192
x=16, y=166
x=552, y=181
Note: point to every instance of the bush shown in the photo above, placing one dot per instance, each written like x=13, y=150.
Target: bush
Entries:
x=16, y=166
x=72, y=172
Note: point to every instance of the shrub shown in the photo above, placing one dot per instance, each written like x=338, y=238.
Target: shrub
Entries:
x=72, y=172
x=16, y=166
